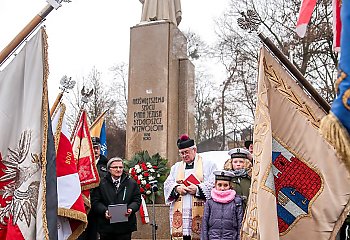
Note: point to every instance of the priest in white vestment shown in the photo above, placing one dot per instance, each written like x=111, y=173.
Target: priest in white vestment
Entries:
x=187, y=187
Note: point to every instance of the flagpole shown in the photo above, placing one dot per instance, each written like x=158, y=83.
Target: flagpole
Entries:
x=295, y=72
x=98, y=119
x=57, y=101
x=12, y=46
x=66, y=84
x=76, y=123
x=86, y=94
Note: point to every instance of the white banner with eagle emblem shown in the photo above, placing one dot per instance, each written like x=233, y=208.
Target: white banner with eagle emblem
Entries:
x=24, y=128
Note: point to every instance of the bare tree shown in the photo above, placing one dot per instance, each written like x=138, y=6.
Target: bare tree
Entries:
x=313, y=55
x=119, y=92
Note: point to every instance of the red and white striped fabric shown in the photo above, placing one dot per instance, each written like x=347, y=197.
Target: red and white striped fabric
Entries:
x=336, y=25
x=72, y=218
x=144, y=212
x=305, y=13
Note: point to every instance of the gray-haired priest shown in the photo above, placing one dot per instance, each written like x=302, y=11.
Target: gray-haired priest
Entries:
x=186, y=188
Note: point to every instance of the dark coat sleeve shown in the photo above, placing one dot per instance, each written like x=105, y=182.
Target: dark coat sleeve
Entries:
x=205, y=222
x=97, y=203
x=135, y=201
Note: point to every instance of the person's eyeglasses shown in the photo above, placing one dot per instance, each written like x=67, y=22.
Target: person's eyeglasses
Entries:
x=184, y=153
x=116, y=167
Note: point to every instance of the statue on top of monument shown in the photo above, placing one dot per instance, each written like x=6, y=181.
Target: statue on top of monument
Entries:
x=153, y=10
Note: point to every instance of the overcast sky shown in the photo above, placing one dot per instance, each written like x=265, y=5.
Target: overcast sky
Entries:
x=86, y=33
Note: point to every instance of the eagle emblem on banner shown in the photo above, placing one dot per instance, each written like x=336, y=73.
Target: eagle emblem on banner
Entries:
x=19, y=202
x=295, y=184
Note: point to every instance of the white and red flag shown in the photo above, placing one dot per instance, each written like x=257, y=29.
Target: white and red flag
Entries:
x=28, y=194
x=144, y=211
x=85, y=158
x=305, y=13
x=336, y=25
x=72, y=218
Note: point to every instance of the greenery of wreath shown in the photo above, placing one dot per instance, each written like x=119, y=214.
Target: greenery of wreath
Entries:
x=144, y=169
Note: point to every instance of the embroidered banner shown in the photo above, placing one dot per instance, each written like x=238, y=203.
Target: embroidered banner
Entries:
x=299, y=186
x=84, y=155
x=71, y=210
x=28, y=196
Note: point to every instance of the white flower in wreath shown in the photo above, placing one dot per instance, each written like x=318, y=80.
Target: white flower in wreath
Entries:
x=143, y=182
x=148, y=192
x=140, y=177
x=150, y=178
x=138, y=170
x=137, y=167
x=151, y=170
x=158, y=175
x=130, y=170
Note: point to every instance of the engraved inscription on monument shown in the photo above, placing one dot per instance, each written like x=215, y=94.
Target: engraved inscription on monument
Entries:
x=147, y=117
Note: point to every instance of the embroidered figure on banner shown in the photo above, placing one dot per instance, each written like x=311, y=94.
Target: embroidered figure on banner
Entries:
x=295, y=185
x=20, y=203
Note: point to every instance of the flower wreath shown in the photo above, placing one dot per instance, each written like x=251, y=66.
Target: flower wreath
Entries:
x=145, y=169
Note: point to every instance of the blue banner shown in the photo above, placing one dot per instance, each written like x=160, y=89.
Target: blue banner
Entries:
x=103, y=139
x=341, y=105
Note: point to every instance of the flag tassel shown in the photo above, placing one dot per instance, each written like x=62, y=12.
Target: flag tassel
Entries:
x=336, y=134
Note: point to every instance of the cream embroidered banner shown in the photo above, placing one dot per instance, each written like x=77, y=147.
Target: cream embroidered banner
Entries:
x=300, y=189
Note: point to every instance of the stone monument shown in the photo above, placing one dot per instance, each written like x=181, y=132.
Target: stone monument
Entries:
x=161, y=88
x=160, y=93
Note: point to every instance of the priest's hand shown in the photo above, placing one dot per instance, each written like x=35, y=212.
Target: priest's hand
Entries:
x=192, y=188
x=181, y=189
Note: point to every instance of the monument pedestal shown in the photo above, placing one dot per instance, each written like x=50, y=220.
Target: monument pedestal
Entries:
x=144, y=231
x=161, y=90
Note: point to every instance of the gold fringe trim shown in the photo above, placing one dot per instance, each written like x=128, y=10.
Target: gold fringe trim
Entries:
x=57, y=133
x=335, y=133
x=77, y=232
x=76, y=215
x=90, y=186
x=71, y=213
x=45, y=106
x=87, y=203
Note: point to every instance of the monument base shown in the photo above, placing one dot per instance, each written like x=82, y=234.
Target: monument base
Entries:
x=144, y=231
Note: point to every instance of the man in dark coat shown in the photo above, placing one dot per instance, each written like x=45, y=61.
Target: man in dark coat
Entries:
x=116, y=188
x=101, y=160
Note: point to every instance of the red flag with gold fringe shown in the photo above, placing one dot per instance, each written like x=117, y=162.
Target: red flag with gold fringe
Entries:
x=72, y=218
x=85, y=158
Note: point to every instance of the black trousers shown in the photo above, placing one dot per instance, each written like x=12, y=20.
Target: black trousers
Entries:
x=187, y=238
x=344, y=231
x=126, y=236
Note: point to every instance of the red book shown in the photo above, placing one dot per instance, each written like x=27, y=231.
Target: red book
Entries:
x=193, y=179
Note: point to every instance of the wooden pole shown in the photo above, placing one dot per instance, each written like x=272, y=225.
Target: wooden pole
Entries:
x=57, y=101
x=12, y=46
x=77, y=122
x=297, y=74
x=98, y=119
